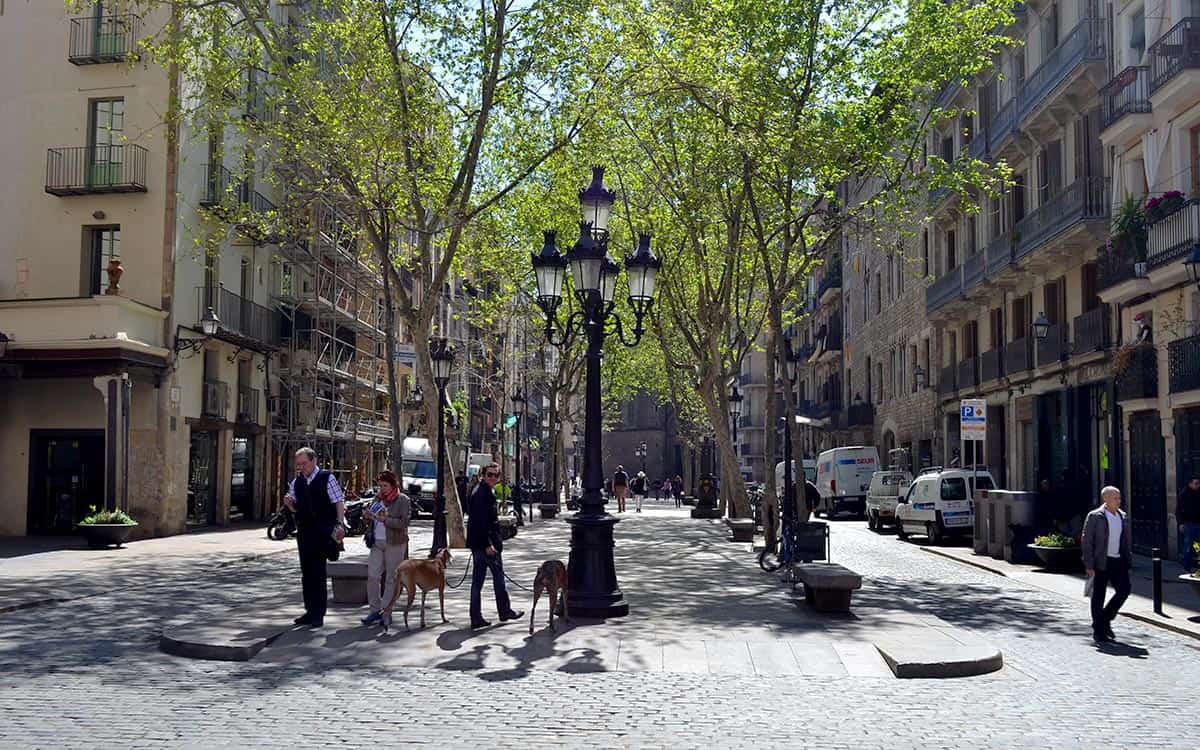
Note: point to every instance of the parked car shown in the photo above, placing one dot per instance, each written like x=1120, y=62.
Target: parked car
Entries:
x=843, y=478
x=939, y=503
x=886, y=489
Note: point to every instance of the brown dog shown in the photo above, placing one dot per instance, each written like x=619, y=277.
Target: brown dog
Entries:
x=424, y=574
x=551, y=578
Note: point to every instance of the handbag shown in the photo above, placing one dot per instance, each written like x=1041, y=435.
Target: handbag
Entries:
x=369, y=536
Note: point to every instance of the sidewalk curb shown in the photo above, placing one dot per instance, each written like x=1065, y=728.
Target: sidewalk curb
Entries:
x=1131, y=614
x=36, y=603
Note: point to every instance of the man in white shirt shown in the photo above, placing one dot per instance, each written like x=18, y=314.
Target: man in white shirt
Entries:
x=316, y=498
x=1107, y=554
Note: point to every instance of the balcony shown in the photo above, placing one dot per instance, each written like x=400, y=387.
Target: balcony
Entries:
x=1128, y=93
x=1118, y=263
x=1085, y=43
x=242, y=321
x=224, y=190
x=968, y=375
x=1176, y=51
x=1139, y=378
x=1003, y=124
x=831, y=282
x=247, y=406
x=1091, y=331
x=860, y=415
x=978, y=147
x=991, y=365
x=89, y=170
x=974, y=271
x=1173, y=236
x=105, y=326
x=945, y=384
x=1183, y=364
x=833, y=336
x=103, y=39
x=943, y=291
x=215, y=399
x=1052, y=349
x=1084, y=200
x=999, y=253
x=1018, y=356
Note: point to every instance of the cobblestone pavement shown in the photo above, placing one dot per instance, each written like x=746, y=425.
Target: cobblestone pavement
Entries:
x=87, y=673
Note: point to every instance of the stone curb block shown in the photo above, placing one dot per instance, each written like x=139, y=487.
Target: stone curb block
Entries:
x=233, y=650
x=907, y=661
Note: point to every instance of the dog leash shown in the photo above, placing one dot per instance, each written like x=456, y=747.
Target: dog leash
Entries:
x=464, y=576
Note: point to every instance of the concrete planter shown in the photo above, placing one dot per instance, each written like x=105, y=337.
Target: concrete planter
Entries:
x=740, y=529
x=1188, y=578
x=1058, y=558
x=103, y=535
x=548, y=510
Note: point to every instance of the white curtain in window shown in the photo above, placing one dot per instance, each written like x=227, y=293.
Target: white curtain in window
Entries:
x=1154, y=144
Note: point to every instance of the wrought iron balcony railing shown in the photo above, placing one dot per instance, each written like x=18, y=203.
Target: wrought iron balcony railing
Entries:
x=946, y=384
x=1175, y=51
x=239, y=316
x=103, y=39
x=943, y=290
x=215, y=399
x=83, y=170
x=968, y=374
x=1117, y=263
x=991, y=365
x=1172, y=236
x=1126, y=94
x=1052, y=348
x=1091, y=331
x=222, y=188
x=1139, y=377
x=1183, y=364
x=1084, y=43
x=247, y=406
x=860, y=415
x=1086, y=199
x=1018, y=356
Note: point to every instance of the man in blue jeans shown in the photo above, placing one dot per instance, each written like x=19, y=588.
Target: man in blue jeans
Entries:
x=1187, y=513
x=485, y=543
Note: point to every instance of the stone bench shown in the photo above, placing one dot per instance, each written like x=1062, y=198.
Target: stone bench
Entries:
x=740, y=529
x=827, y=586
x=349, y=578
x=548, y=510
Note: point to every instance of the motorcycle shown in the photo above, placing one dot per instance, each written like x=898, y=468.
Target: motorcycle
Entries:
x=356, y=507
x=282, y=524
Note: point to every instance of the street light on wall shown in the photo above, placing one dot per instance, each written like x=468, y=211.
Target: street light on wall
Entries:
x=591, y=570
x=441, y=358
x=209, y=325
x=918, y=377
x=1041, y=327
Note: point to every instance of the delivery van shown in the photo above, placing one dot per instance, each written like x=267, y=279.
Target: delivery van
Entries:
x=843, y=479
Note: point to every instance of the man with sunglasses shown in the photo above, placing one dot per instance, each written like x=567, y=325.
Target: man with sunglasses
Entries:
x=483, y=538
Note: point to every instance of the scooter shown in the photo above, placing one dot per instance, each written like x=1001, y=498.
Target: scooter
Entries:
x=282, y=524
x=355, y=520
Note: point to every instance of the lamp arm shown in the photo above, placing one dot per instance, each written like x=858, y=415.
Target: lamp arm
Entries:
x=568, y=330
x=612, y=324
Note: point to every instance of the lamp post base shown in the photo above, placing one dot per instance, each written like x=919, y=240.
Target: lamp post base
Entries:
x=592, y=574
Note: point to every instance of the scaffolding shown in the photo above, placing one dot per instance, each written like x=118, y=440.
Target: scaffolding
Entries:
x=331, y=390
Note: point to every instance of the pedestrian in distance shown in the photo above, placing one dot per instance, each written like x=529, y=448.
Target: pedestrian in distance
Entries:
x=462, y=485
x=1187, y=513
x=638, y=488
x=1107, y=555
x=486, y=544
x=317, y=500
x=387, y=539
x=677, y=486
x=620, y=484
x=666, y=490
x=516, y=501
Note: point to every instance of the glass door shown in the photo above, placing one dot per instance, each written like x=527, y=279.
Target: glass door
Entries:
x=202, y=485
x=107, y=142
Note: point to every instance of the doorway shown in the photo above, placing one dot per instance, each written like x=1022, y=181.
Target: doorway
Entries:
x=241, y=498
x=66, y=478
x=1147, y=484
x=202, y=484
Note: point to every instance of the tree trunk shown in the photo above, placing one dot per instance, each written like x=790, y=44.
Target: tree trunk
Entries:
x=732, y=485
x=772, y=493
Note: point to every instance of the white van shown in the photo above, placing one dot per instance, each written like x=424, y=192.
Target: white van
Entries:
x=419, y=473
x=810, y=473
x=843, y=478
x=476, y=462
x=939, y=503
x=886, y=489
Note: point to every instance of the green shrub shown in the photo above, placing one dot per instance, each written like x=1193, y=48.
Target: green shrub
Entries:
x=1061, y=541
x=107, y=516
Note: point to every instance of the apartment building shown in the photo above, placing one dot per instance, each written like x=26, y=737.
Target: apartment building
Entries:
x=1150, y=129
x=752, y=424
x=165, y=353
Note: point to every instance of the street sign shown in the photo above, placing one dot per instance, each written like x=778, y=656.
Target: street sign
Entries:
x=973, y=419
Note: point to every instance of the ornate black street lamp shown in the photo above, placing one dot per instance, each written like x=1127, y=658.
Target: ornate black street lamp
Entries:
x=592, y=572
x=919, y=377
x=442, y=361
x=791, y=363
x=518, y=399
x=640, y=452
x=735, y=411
x=1041, y=327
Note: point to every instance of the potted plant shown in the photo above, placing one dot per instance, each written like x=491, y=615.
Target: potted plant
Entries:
x=1130, y=231
x=1161, y=206
x=1057, y=551
x=106, y=527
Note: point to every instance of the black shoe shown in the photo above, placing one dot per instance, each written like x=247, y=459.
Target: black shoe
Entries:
x=1101, y=638
x=514, y=615
x=304, y=619
x=479, y=624
x=1109, y=634
x=314, y=624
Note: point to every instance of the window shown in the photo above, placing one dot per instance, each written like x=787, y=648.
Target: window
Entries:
x=925, y=245
x=900, y=277
x=1018, y=197
x=912, y=356
x=1050, y=30
x=972, y=235
x=951, y=251
x=1137, y=34
x=1049, y=172
x=878, y=293
x=101, y=244
x=948, y=149
x=879, y=382
x=997, y=220
x=954, y=488
x=106, y=141
x=1194, y=151
x=1088, y=285
x=996, y=321
x=892, y=374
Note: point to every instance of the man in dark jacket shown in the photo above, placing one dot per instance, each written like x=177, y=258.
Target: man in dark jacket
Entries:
x=1107, y=555
x=485, y=543
x=1187, y=514
x=319, y=504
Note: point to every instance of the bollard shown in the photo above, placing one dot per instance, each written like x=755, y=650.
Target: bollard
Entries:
x=1156, y=558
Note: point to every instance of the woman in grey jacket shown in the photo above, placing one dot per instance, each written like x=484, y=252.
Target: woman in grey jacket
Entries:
x=389, y=516
x=1107, y=554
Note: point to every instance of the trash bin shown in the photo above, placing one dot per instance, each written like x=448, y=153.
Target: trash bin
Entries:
x=980, y=536
x=1019, y=518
